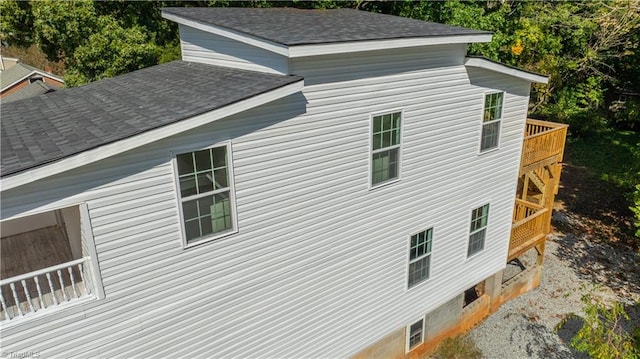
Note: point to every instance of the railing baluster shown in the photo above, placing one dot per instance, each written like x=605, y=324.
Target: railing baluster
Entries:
x=15, y=297
x=4, y=306
x=22, y=282
x=84, y=284
x=64, y=294
x=53, y=290
x=42, y=305
x=26, y=293
x=73, y=282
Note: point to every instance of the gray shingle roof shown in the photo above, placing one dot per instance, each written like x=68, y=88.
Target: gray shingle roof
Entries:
x=290, y=27
x=43, y=129
x=33, y=89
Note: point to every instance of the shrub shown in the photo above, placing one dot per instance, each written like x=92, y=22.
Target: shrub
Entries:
x=603, y=335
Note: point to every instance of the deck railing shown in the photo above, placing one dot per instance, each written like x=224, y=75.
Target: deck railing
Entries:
x=44, y=288
x=543, y=140
x=529, y=227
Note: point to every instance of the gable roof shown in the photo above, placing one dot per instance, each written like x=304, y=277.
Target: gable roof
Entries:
x=288, y=31
x=19, y=72
x=488, y=64
x=33, y=89
x=162, y=98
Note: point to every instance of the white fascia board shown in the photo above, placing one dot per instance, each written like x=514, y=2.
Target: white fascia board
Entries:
x=234, y=35
x=506, y=70
x=46, y=74
x=358, y=46
x=114, y=148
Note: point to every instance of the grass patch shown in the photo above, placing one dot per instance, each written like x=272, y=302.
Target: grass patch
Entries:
x=458, y=347
x=611, y=156
x=598, y=183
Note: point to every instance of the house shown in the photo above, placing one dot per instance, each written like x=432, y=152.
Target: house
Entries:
x=19, y=76
x=303, y=183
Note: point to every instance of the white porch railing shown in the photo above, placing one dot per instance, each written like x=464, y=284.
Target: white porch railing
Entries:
x=44, y=288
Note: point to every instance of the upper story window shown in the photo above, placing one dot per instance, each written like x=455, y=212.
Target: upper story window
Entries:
x=492, y=116
x=420, y=257
x=205, y=193
x=385, y=148
x=479, y=219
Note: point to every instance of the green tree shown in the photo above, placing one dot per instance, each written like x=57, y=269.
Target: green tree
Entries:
x=111, y=51
x=59, y=27
x=602, y=335
x=16, y=23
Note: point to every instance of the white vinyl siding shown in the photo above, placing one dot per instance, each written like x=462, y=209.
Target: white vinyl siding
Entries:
x=205, y=193
x=317, y=250
x=385, y=147
x=478, y=231
x=208, y=48
x=491, y=118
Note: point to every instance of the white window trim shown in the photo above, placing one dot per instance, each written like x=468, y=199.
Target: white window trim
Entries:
x=408, y=348
x=370, y=150
x=408, y=262
x=482, y=123
x=232, y=195
x=469, y=233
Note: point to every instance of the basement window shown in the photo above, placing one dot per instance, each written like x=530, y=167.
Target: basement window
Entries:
x=415, y=334
x=492, y=116
x=207, y=204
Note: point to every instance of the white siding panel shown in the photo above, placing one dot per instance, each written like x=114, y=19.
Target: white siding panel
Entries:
x=318, y=266
x=208, y=48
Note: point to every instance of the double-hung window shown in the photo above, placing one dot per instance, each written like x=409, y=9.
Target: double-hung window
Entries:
x=420, y=257
x=385, y=148
x=491, y=118
x=205, y=193
x=478, y=232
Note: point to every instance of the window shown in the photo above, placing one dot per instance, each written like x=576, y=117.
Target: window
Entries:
x=420, y=257
x=385, y=148
x=491, y=121
x=416, y=331
x=479, y=218
x=205, y=193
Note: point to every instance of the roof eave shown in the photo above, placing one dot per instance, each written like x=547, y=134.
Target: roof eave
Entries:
x=504, y=69
x=382, y=44
x=111, y=149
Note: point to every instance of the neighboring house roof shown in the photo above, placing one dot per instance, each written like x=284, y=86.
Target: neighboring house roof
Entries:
x=77, y=120
x=20, y=72
x=31, y=90
x=7, y=62
x=487, y=64
x=288, y=28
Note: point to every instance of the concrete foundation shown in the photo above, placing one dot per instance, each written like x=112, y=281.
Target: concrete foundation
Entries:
x=451, y=319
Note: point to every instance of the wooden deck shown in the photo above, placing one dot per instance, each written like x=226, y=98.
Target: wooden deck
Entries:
x=540, y=167
x=30, y=251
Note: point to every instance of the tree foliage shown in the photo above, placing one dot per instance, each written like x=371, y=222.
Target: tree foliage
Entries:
x=603, y=335
x=111, y=51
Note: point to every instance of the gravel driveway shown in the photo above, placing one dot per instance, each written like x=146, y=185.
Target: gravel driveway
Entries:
x=525, y=326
